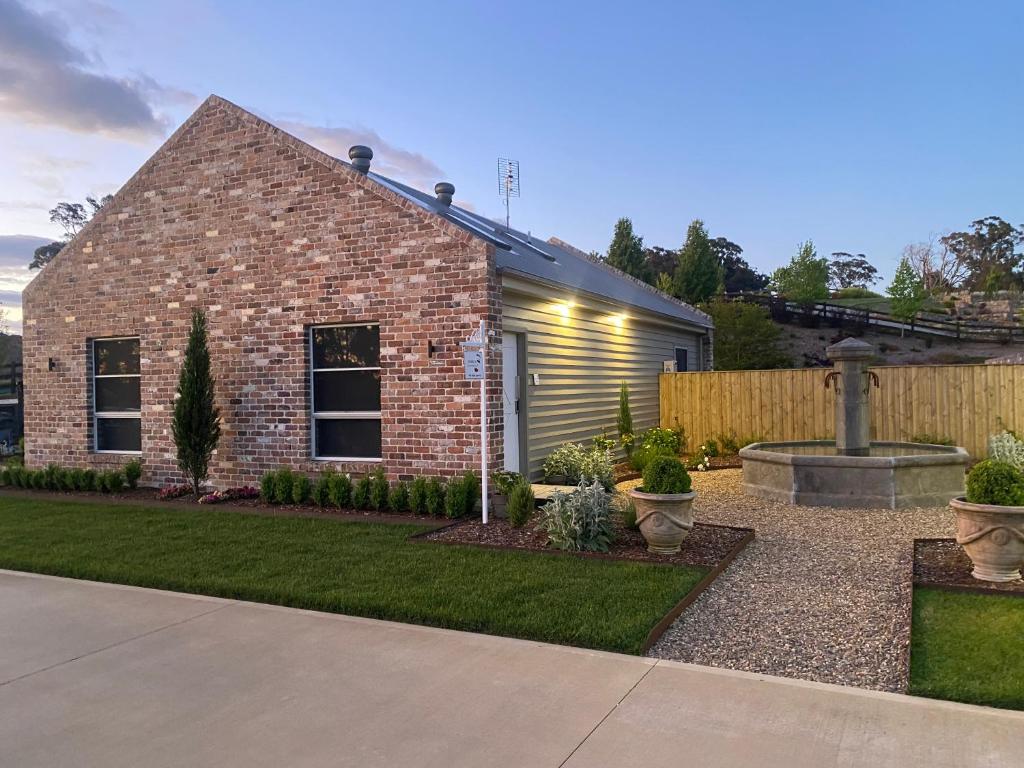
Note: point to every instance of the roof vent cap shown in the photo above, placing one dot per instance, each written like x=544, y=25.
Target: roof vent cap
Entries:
x=360, y=157
x=444, y=192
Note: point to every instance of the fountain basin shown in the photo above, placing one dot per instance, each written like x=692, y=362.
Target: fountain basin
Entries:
x=891, y=475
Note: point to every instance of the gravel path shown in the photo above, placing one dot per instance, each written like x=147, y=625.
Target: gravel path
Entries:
x=820, y=594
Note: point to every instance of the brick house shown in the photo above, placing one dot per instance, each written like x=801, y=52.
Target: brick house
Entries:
x=337, y=300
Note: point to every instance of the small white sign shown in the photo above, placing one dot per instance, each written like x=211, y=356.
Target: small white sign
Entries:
x=473, y=362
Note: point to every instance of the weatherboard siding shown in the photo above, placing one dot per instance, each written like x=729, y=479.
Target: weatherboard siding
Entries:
x=583, y=358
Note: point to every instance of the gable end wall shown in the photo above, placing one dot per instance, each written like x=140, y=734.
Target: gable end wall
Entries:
x=269, y=237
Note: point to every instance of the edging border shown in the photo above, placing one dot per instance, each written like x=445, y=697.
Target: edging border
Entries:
x=690, y=597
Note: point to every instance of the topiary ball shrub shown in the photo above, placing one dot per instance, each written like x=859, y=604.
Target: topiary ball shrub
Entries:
x=521, y=504
x=666, y=475
x=995, y=482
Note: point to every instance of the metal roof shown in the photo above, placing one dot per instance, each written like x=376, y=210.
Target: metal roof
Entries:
x=551, y=262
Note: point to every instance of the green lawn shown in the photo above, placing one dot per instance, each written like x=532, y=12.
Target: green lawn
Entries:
x=357, y=568
x=968, y=647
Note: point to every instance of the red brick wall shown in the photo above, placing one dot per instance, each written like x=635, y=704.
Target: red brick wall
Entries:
x=269, y=236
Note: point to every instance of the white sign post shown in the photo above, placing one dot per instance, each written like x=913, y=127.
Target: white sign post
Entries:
x=474, y=354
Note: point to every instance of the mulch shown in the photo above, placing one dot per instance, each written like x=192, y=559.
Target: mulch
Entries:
x=706, y=546
x=943, y=563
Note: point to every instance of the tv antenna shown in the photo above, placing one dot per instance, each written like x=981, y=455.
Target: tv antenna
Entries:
x=508, y=181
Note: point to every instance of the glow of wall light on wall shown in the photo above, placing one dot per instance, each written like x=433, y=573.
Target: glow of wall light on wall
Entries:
x=617, y=320
x=562, y=309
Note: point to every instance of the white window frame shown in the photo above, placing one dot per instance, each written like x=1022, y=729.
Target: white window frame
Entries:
x=96, y=416
x=314, y=415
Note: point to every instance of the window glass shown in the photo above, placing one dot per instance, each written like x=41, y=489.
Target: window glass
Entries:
x=345, y=379
x=681, y=359
x=115, y=356
x=113, y=434
x=346, y=391
x=117, y=389
x=346, y=347
x=348, y=437
x=118, y=393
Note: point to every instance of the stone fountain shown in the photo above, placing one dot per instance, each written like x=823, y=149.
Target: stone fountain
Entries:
x=852, y=471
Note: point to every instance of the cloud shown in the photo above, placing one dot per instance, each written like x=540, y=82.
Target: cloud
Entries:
x=16, y=251
x=45, y=78
x=411, y=168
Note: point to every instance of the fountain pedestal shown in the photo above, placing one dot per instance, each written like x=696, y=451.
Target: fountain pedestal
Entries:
x=852, y=383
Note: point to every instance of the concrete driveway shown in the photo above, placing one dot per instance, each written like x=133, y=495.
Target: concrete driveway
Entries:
x=101, y=675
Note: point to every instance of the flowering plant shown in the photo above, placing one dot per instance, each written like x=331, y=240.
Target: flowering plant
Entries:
x=174, y=491
x=229, y=494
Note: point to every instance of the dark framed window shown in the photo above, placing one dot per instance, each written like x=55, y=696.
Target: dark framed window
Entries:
x=345, y=388
x=681, y=355
x=117, y=395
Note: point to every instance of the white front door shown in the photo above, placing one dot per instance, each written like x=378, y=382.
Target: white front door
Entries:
x=510, y=397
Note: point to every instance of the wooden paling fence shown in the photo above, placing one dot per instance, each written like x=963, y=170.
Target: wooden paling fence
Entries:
x=963, y=403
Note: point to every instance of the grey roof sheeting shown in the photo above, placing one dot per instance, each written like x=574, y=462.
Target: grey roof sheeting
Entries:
x=550, y=262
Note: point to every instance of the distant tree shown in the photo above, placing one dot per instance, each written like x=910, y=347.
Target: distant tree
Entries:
x=660, y=261
x=805, y=278
x=698, y=274
x=745, y=337
x=664, y=283
x=990, y=253
x=196, y=422
x=846, y=270
x=939, y=269
x=737, y=275
x=626, y=251
x=72, y=217
x=907, y=293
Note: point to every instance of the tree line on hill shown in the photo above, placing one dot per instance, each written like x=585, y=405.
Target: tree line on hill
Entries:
x=986, y=257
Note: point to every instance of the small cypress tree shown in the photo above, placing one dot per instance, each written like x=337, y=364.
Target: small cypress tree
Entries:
x=196, y=424
x=625, y=420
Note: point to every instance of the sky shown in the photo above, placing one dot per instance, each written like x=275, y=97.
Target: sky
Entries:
x=862, y=126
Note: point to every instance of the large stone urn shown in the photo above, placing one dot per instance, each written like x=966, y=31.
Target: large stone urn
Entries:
x=664, y=519
x=993, y=537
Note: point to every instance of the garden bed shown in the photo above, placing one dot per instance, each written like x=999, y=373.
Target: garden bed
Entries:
x=706, y=546
x=943, y=564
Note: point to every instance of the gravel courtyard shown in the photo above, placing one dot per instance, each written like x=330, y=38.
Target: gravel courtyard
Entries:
x=820, y=594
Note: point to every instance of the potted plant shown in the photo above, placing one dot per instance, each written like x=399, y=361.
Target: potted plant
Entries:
x=502, y=484
x=664, y=505
x=990, y=520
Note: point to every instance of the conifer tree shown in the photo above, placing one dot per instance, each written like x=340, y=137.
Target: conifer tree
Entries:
x=196, y=423
x=907, y=293
x=626, y=251
x=698, y=274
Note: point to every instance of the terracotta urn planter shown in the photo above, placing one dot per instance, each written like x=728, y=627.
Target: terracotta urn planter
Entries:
x=665, y=519
x=993, y=537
